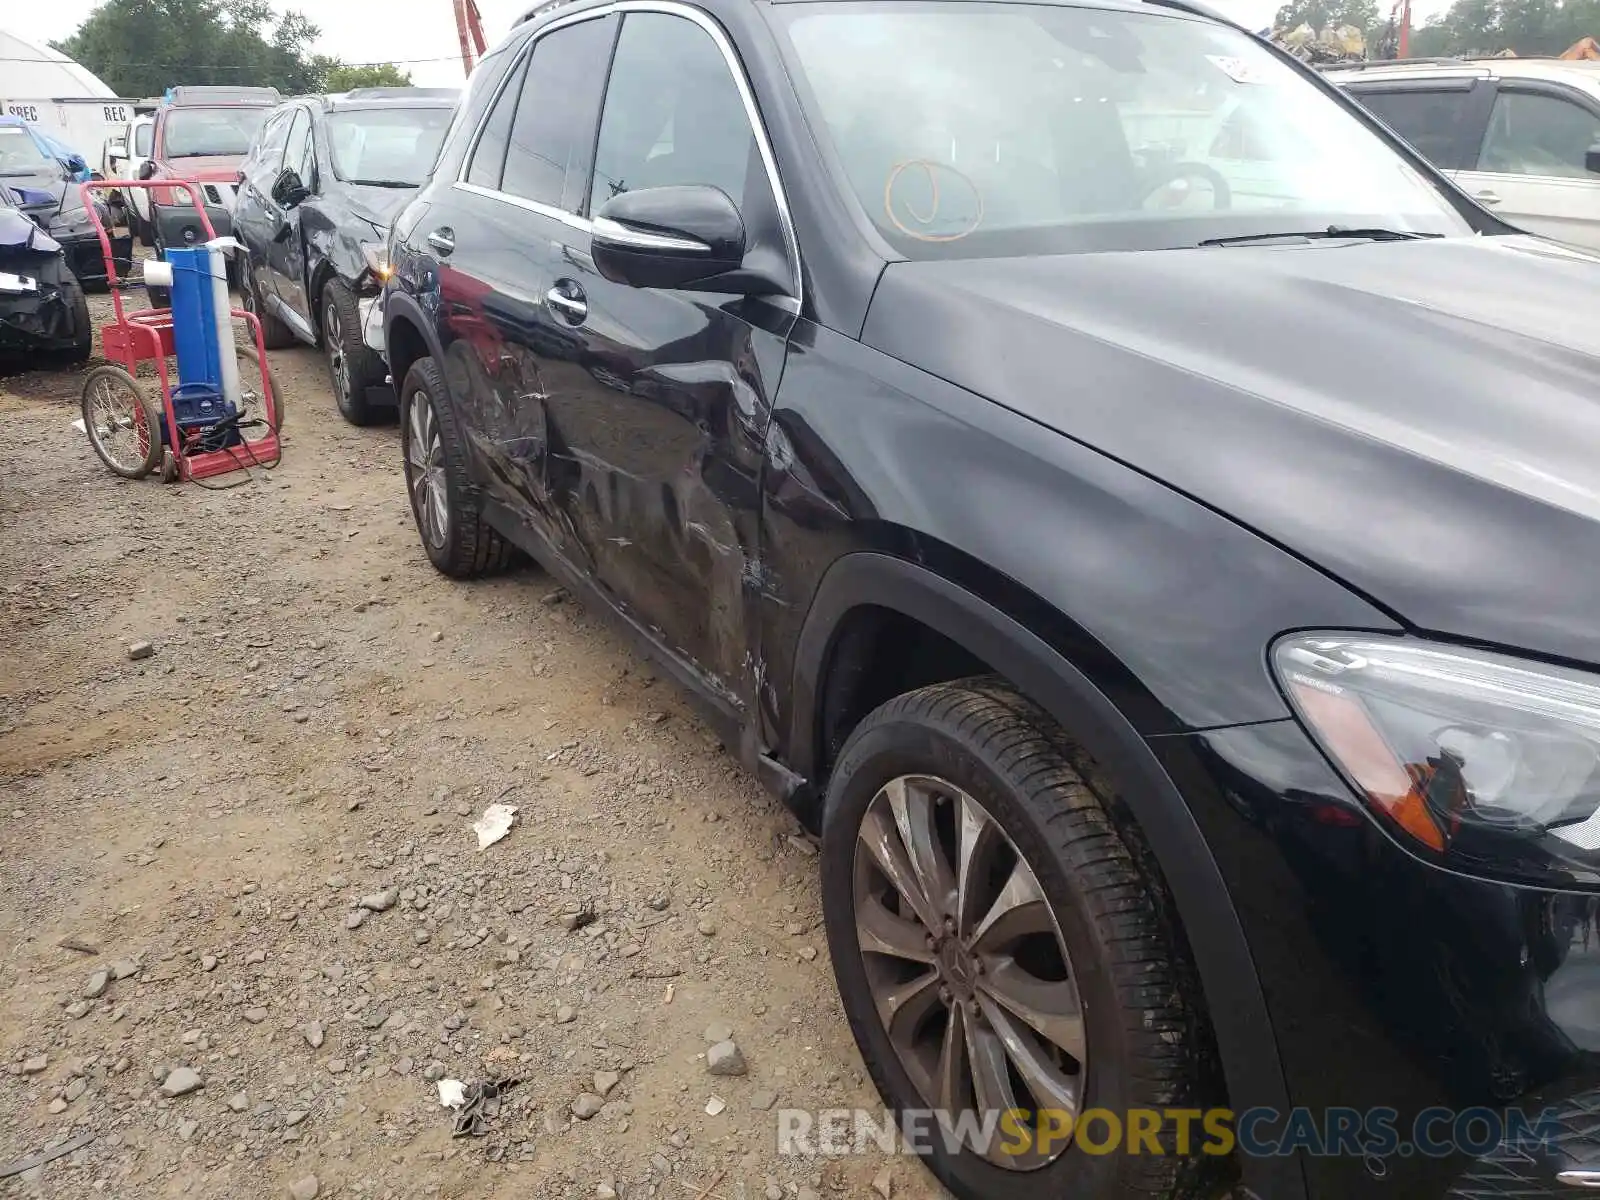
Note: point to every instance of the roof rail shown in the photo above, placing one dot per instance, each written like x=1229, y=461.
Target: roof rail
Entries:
x=1366, y=63
x=539, y=10
x=221, y=94
x=402, y=93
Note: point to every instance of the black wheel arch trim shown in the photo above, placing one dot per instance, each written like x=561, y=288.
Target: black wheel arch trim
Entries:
x=1251, y=1065
x=400, y=306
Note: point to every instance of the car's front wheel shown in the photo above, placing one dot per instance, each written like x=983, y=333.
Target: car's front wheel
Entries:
x=1005, y=953
x=353, y=369
x=444, y=503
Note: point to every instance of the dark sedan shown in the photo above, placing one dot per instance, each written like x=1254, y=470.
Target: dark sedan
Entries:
x=1141, y=514
x=317, y=191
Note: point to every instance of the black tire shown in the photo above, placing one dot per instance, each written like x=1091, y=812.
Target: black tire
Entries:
x=274, y=333
x=352, y=366
x=83, y=343
x=469, y=546
x=1148, y=1040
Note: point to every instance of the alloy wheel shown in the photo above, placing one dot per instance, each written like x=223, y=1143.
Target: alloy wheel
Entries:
x=968, y=970
x=424, y=458
x=338, y=362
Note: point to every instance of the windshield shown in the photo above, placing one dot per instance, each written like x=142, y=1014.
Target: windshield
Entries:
x=969, y=130
x=21, y=155
x=203, y=132
x=393, y=147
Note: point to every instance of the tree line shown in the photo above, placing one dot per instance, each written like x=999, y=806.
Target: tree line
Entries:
x=142, y=47
x=1468, y=27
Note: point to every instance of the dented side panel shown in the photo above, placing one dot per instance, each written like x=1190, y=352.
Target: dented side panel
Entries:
x=657, y=419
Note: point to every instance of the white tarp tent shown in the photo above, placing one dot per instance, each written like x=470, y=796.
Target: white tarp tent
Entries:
x=46, y=88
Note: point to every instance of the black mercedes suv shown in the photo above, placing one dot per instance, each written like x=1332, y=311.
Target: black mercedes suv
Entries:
x=317, y=190
x=1138, y=511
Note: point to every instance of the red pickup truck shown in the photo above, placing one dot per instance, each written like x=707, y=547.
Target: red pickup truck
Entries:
x=202, y=135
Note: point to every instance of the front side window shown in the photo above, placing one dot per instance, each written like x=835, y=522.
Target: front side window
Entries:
x=1536, y=134
x=268, y=152
x=555, y=116
x=673, y=114
x=297, y=151
x=386, y=147
x=1429, y=120
x=143, y=135
x=965, y=130
x=206, y=132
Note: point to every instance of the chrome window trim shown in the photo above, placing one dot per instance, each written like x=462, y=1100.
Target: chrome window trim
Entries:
x=623, y=235
x=752, y=114
x=534, y=206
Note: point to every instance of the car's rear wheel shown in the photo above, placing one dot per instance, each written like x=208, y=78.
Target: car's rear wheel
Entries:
x=444, y=502
x=1003, y=945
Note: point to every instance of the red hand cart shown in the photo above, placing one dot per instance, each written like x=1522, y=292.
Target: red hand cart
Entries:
x=133, y=433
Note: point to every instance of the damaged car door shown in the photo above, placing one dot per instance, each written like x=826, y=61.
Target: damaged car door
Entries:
x=658, y=421
x=286, y=253
x=521, y=182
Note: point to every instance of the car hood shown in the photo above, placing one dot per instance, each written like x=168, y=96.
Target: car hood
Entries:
x=204, y=168
x=1418, y=419
x=376, y=205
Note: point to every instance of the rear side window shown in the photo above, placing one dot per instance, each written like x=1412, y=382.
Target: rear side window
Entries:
x=143, y=136
x=554, y=121
x=1430, y=120
x=489, y=155
x=1533, y=133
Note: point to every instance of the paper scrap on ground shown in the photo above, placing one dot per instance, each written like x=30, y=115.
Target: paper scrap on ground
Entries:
x=494, y=824
x=715, y=1105
x=80, y=426
x=452, y=1093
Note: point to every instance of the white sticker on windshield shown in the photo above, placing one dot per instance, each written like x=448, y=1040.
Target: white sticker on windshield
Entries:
x=1236, y=69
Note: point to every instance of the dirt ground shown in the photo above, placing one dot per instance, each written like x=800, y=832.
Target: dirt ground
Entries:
x=184, y=841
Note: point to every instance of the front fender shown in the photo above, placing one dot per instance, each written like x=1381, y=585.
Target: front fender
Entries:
x=1238, y=1009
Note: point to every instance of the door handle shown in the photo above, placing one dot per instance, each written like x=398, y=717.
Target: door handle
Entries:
x=1488, y=198
x=443, y=240
x=568, y=300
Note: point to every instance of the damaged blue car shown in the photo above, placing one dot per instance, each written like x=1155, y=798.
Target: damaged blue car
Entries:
x=44, y=184
x=42, y=305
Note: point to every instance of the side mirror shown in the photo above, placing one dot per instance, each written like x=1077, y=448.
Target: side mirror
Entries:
x=668, y=237
x=147, y=169
x=288, y=190
x=1591, y=159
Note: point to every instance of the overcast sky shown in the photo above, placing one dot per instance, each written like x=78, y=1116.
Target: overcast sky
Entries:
x=394, y=30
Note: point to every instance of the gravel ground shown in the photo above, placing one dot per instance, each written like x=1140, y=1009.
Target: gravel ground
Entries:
x=244, y=921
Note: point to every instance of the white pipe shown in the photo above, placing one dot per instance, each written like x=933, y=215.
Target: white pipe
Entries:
x=157, y=273
x=222, y=306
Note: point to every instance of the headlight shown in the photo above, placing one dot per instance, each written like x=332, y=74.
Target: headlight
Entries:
x=377, y=256
x=1486, y=762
